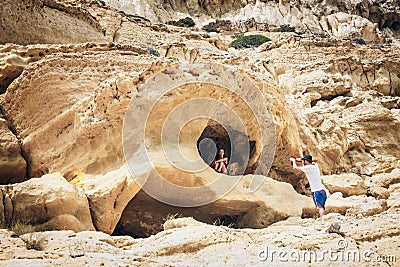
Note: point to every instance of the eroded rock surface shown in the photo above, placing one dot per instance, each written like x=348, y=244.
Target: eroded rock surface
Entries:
x=200, y=244
x=43, y=201
x=12, y=164
x=48, y=21
x=333, y=91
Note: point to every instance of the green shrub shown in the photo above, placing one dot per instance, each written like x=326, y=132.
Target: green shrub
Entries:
x=20, y=228
x=359, y=41
x=35, y=241
x=173, y=58
x=285, y=28
x=153, y=51
x=249, y=41
x=137, y=17
x=217, y=26
x=185, y=22
x=322, y=35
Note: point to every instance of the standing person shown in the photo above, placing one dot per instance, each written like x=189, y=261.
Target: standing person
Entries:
x=313, y=174
x=220, y=162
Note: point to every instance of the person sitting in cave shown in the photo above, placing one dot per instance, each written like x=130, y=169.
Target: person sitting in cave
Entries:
x=313, y=174
x=220, y=163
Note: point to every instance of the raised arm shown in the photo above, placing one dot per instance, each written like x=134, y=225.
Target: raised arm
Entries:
x=295, y=167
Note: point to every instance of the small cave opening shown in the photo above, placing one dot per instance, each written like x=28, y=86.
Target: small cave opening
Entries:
x=238, y=147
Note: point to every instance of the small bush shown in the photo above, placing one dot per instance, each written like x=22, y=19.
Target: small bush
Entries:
x=285, y=28
x=137, y=17
x=217, y=26
x=249, y=41
x=153, y=52
x=322, y=35
x=185, y=22
x=173, y=58
x=359, y=41
x=35, y=241
x=20, y=228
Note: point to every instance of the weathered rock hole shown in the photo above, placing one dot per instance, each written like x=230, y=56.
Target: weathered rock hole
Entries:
x=328, y=98
x=144, y=216
x=234, y=145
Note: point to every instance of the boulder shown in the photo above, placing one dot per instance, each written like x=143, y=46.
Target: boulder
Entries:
x=379, y=192
x=386, y=179
x=352, y=26
x=348, y=184
x=49, y=201
x=393, y=201
x=60, y=223
x=12, y=164
x=353, y=205
x=108, y=196
x=367, y=206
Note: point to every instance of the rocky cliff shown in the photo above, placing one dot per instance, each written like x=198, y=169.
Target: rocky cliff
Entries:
x=338, y=18
x=328, y=83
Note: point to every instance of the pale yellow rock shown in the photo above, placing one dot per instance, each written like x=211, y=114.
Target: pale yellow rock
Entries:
x=345, y=25
x=353, y=205
x=379, y=192
x=64, y=136
x=393, y=201
x=47, y=22
x=12, y=164
x=386, y=179
x=45, y=199
x=201, y=244
x=108, y=196
x=180, y=222
x=272, y=202
x=329, y=97
x=348, y=184
x=62, y=222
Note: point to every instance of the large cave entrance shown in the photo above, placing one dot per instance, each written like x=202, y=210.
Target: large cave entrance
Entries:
x=144, y=216
x=239, y=148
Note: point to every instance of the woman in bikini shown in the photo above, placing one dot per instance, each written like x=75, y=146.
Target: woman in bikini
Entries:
x=220, y=162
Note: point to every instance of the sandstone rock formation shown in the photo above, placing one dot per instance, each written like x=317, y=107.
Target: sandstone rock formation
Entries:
x=354, y=205
x=201, y=244
x=105, y=90
x=97, y=131
x=338, y=18
x=332, y=87
x=348, y=184
x=12, y=164
x=108, y=196
x=47, y=21
x=43, y=201
x=273, y=202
